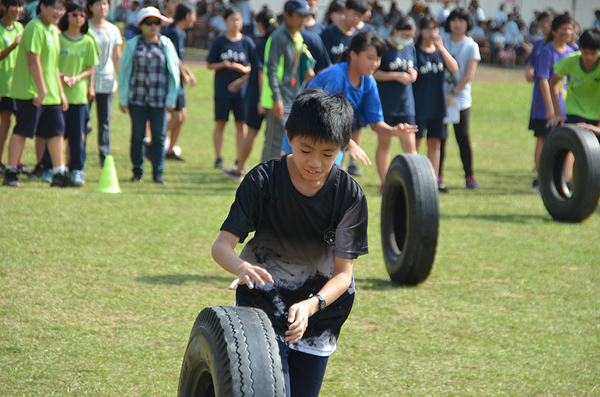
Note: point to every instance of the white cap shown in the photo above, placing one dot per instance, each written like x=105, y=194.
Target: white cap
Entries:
x=150, y=12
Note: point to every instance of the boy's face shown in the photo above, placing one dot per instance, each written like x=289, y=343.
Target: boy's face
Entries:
x=589, y=58
x=295, y=22
x=367, y=61
x=53, y=13
x=352, y=17
x=312, y=160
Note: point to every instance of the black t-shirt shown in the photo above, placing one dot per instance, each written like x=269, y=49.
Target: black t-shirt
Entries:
x=397, y=98
x=317, y=49
x=428, y=90
x=222, y=49
x=296, y=240
x=335, y=42
x=252, y=91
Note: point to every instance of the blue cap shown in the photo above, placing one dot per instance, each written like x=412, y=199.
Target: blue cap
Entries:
x=299, y=6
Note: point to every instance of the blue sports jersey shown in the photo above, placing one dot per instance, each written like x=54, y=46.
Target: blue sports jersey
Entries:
x=364, y=99
x=335, y=42
x=396, y=98
x=222, y=49
x=317, y=49
x=428, y=90
x=252, y=91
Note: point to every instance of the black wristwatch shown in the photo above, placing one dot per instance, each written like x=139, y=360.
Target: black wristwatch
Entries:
x=322, y=303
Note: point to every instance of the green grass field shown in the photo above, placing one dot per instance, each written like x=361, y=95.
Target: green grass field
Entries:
x=98, y=292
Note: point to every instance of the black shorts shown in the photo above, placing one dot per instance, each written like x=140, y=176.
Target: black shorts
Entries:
x=8, y=104
x=572, y=119
x=539, y=128
x=435, y=128
x=224, y=105
x=394, y=120
x=180, y=102
x=253, y=119
x=47, y=121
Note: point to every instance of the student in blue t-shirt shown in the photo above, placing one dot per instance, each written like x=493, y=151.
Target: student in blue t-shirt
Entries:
x=354, y=79
x=394, y=81
x=229, y=56
x=184, y=18
x=430, y=99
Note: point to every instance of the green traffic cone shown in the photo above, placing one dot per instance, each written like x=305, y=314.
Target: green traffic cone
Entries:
x=109, y=183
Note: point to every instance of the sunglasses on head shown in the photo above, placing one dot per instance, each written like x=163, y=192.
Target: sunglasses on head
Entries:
x=151, y=21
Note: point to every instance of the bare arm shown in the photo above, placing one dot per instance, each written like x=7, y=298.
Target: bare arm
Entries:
x=11, y=47
x=116, y=57
x=223, y=253
x=236, y=84
x=217, y=66
x=449, y=62
x=530, y=74
x=35, y=67
x=558, y=116
x=469, y=75
x=547, y=97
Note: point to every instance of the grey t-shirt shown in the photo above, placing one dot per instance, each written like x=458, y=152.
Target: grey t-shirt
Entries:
x=297, y=239
x=463, y=52
x=104, y=72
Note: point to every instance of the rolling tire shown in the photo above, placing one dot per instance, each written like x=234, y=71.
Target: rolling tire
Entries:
x=563, y=205
x=232, y=351
x=409, y=219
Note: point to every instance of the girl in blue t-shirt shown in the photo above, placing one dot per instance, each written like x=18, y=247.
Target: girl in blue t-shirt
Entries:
x=394, y=81
x=354, y=78
x=229, y=56
x=266, y=23
x=542, y=110
x=184, y=18
x=430, y=99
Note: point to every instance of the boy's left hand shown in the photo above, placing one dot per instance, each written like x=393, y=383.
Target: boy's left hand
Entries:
x=298, y=318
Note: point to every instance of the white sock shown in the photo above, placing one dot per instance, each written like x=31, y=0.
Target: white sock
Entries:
x=58, y=170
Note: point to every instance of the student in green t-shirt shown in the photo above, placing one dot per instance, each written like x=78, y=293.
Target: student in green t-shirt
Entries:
x=583, y=92
x=39, y=95
x=10, y=36
x=78, y=55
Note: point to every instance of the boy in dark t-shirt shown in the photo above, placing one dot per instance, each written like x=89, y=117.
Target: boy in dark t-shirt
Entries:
x=310, y=223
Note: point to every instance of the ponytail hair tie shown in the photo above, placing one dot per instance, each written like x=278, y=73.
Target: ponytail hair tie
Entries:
x=271, y=21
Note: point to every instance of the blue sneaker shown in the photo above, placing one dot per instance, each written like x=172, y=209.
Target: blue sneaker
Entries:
x=472, y=183
x=47, y=176
x=77, y=177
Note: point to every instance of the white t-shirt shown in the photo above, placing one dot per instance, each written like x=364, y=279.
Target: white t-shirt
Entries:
x=104, y=72
x=463, y=52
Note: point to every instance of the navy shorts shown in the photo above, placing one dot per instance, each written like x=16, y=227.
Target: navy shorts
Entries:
x=8, y=104
x=357, y=124
x=394, y=120
x=180, y=102
x=47, y=121
x=224, y=105
x=435, y=128
x=539, y=128
x=253, y=119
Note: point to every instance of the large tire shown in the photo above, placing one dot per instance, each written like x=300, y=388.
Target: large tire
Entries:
x=232, y=351
x=409, y=219
x=562, y=204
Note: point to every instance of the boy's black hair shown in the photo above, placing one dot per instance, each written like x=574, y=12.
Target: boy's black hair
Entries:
x=364, y=40
x=590, y=39
x=75, y=5
x=405, y=23
x=182, y=11
x=459, y=13
x=267, y=18
x=561, y=19
x=543, y=15
x=321, y=117
x=429, y=21
x=8, y=3
x=360, y=6
x=230, y=11
x=48, y=3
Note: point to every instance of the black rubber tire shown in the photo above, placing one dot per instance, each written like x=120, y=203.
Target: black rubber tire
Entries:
x=577, y=205
x=409, y=219
x=232, y=351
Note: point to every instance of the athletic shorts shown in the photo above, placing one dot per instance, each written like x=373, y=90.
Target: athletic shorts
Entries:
x=435, y=129
x=394, y=120
x=539, y=128
x=180, y=102
x=47, y=121
x=357, y=124
x=8, y=104
x=224, y=105
x=253, y=119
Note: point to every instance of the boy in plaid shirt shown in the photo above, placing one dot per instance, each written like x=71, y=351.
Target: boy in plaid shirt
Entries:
x=149, y=80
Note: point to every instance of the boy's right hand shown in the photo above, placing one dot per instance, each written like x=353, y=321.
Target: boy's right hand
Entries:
x=278, y=109
x=248, y=273
x=17, y=40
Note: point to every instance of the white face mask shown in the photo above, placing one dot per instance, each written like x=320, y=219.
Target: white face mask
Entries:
x=402, y=42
